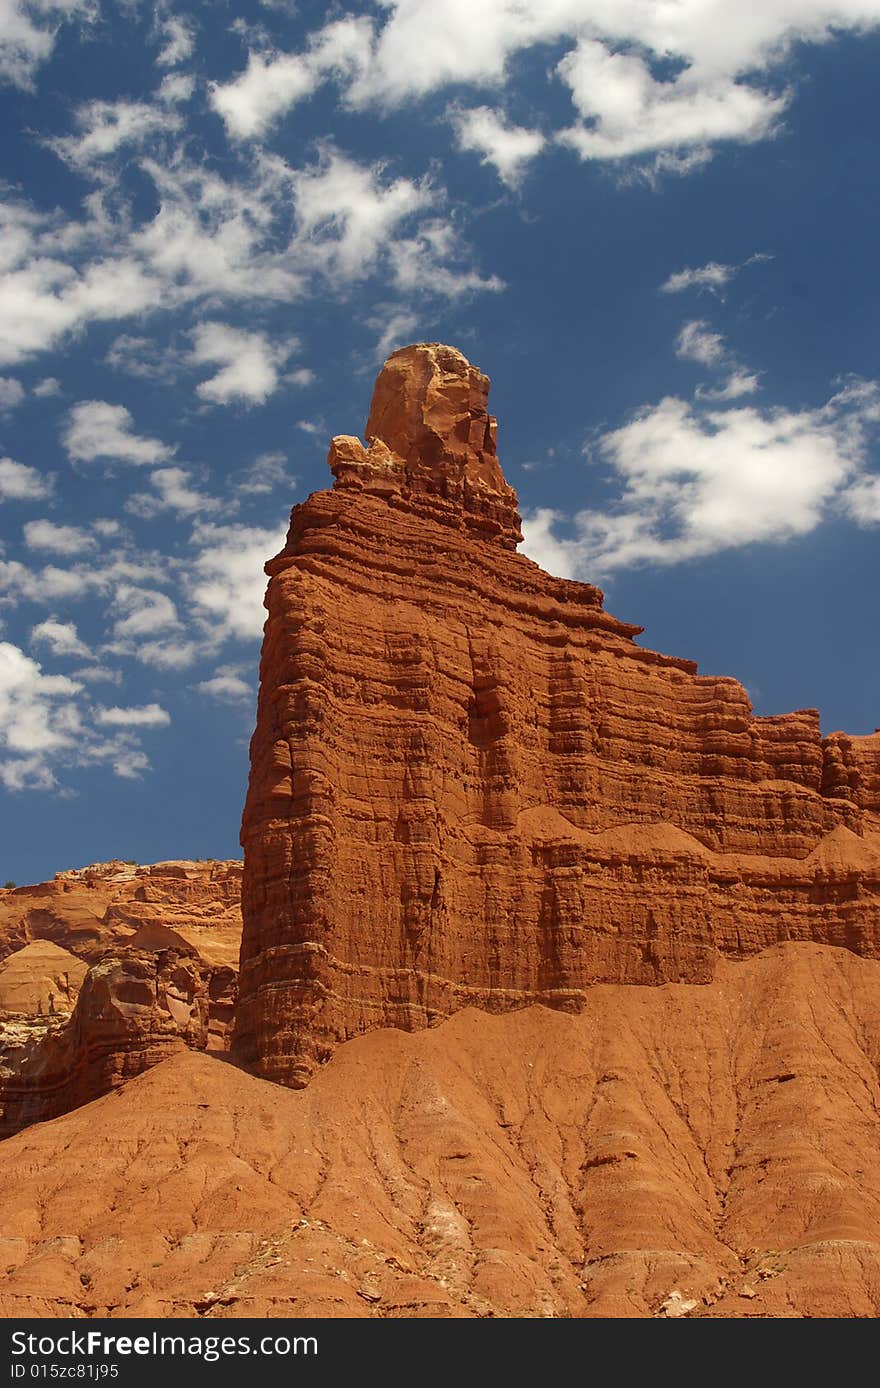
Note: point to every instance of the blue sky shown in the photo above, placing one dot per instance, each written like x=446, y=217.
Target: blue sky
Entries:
x=655, y=226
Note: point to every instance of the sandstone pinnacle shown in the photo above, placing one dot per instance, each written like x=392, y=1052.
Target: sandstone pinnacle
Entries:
x=431, y=440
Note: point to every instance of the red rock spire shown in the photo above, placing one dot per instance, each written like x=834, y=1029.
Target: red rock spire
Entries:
x=432, y=442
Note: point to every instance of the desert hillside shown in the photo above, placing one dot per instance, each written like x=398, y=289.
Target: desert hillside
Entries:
x=684, y=1150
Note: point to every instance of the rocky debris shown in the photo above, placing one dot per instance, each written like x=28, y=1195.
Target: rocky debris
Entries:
x=711, y=1149
x=470, y=786
x=677, y=1305
x=134, y=1009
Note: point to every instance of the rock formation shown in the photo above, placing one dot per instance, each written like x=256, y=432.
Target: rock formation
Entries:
x=162, y=942
x=471, y=792
x=89, y=910
x=134, y=1009
x=470, y=786
x=40, y=979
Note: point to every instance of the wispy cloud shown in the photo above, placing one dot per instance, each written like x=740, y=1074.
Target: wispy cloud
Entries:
x=173, y=490
x=146, y=716
x=697, y=342
x=713, y=276
x=12, y=393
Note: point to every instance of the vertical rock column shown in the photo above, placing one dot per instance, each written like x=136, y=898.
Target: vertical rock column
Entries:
x=341, y=828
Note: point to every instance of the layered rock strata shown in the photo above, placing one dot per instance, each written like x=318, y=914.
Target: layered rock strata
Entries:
x=469, y=784
x=86, y=996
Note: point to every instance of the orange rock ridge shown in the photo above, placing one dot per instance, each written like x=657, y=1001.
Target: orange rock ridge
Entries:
x=178, y=905
x=470, y=786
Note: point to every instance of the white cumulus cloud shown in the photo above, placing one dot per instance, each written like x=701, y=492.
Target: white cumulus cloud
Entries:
x=694, y=480
x=645, y=79
x=47, y=387
x=273, y=82
x=27, y=34
x=226, y=579
x=250, y=363
x=508, y=148
x=18, y=482
x=227, y=685
x=96, y=429
x=58, y=539
x=147, y=612
x=39, y=718
x=347, y=215
x=61, y=638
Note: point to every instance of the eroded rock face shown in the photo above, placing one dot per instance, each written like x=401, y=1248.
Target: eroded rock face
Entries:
x=431, y=445
x=41, y=979
x=134, y=1008
x=469, y=785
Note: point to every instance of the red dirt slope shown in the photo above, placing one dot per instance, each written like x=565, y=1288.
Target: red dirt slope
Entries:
x=708, y=1150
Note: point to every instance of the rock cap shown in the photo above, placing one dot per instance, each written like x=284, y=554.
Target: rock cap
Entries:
x=432, y=442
